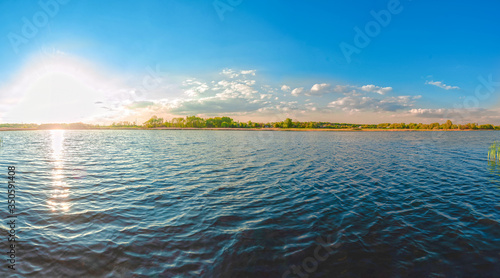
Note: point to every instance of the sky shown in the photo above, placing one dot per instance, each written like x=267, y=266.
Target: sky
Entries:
x=354, y=61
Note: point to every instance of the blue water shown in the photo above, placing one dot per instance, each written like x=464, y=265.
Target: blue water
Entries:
x=185, y=203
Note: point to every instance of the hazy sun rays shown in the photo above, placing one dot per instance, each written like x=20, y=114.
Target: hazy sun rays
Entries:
x=58, y=88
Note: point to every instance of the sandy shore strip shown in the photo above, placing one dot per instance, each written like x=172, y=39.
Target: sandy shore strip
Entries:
x=238, y=129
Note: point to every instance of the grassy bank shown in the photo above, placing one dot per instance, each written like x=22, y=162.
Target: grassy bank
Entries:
x=227, y=123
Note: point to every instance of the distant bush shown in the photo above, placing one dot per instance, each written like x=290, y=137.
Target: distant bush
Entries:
x=486, y=126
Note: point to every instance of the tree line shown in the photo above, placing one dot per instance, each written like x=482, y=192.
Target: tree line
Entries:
x=227, y=122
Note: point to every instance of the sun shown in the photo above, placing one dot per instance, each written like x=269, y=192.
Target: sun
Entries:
x=58, y=89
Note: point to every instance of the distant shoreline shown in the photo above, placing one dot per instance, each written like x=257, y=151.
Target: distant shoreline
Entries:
x=246, y=129
x=227, y=123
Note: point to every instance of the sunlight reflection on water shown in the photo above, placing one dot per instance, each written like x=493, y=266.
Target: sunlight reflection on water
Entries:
x=60, y=190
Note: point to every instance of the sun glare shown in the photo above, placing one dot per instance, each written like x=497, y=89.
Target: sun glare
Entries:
x=57, y=89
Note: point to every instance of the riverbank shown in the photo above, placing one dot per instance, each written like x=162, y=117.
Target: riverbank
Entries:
x=245, y=129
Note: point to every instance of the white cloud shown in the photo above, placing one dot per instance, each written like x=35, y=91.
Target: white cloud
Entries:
x=231, y=89
x=285, y=88
x=248, y=72
x=376, y=89
x=195, y=87
x=215, y=105
x=459, y=115
x=454, y=113
x=232, y=93
x=364, y=103
x=440, y=84
x=429, y=113
x=320, y=89
x=297, y=91
x=233, y=74
x=343, y=89
x=324, y=88
x=230, y=73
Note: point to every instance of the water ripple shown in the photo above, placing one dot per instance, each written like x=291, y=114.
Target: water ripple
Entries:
x=249, y=204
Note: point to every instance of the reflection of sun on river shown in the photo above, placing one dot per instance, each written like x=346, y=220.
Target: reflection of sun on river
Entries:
x=60, y=191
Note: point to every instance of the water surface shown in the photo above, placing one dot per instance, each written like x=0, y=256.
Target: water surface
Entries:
x=185, y=203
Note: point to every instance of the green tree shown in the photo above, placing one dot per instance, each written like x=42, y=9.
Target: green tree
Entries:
x=434, y=126
x=311, y=125
x=194, y=121
x=447, y=125
x=178, y=122
x=154, y=122
x=471, y=126
x=288, y=123
x=488, y=126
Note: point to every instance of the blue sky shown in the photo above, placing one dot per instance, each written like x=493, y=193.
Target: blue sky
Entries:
x=105, y=61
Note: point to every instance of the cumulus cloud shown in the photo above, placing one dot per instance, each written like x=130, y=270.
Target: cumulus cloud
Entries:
x=215, y=105
x=229, y=73
x=324, y=88
x=440, y=84
x=320, y=89
x=237, y=93
x=195, y=88
x=233, y=73
x=429, y=113
x=232, y=89
x=376, y=89
x=457, y=115
x=297, y=91
x=364, y=103
x=228, y=95
x=462, y=113
x=248, y=72
x=285, y=88
x=344, y=89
